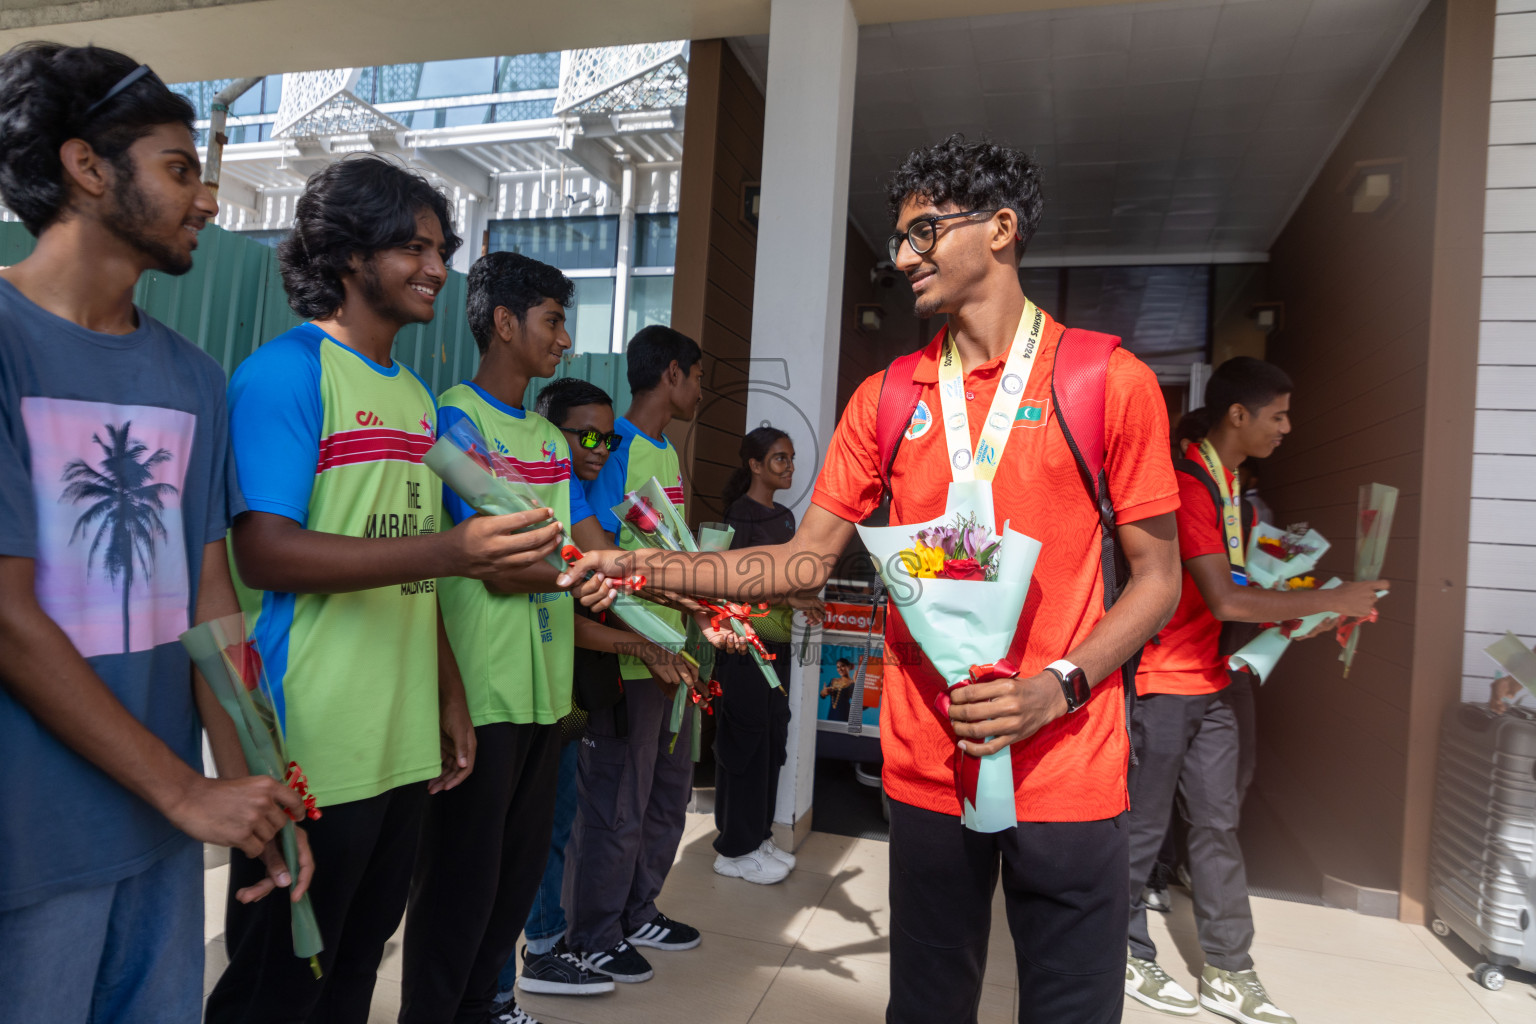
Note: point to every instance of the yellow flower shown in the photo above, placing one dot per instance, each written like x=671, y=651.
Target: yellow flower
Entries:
x=1301, y=583
x=922, y=561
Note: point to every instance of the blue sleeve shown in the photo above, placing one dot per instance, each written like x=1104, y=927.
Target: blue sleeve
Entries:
x=608, y=490
x=579, y=508
x=275, y=419
x=224, y=499
x=457, y=508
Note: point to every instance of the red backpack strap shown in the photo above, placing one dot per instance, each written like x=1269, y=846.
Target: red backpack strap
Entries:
x=1077, y=384
x=899, y=395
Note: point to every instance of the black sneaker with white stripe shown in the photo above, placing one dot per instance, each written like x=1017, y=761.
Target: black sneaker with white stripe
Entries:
x=621, y=963
x=665, y=933
x=560, y=972
x=512, y=1014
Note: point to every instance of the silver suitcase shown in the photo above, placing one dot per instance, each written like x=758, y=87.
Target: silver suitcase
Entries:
x=1482, y=857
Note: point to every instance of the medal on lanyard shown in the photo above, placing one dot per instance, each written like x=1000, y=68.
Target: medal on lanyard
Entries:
x=982, y=464
x=1231, y=512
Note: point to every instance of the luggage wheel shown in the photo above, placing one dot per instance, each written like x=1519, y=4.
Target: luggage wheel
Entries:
x=1439, y=927
x=1489, y=976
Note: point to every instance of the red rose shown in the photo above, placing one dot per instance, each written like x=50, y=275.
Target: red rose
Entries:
x=962, y=569
x=642, y=517
x=247, y=661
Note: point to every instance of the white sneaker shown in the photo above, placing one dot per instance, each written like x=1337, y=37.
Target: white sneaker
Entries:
x=756, y=866
x=783, y=856
x=1149, y=984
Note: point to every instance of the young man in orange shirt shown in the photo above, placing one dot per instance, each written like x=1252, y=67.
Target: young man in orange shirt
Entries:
x=963, y=214
x=1193, y=723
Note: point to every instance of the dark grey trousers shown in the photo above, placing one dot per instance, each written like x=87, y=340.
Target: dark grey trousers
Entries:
x=1200, y=750
x=631, y=804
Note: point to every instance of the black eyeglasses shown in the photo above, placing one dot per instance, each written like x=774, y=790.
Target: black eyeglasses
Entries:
x=923, y=232
x=590, y=438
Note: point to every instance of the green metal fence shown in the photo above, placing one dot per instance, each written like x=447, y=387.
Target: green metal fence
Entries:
x=232, y=301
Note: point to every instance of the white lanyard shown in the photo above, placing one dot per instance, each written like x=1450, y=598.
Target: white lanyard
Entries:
x=982, y=463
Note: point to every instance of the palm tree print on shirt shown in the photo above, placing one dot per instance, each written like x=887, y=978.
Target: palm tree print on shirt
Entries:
x=125, y=506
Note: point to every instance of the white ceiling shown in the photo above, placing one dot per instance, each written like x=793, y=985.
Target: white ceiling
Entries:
x=1165, y=131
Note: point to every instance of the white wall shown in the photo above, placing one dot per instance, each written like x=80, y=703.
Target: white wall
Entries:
x=1501, y=576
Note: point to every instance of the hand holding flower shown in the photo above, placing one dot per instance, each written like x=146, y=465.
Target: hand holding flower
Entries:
x=1006, y=710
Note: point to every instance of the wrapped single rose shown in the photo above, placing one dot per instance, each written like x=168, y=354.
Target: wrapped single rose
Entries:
x=487, y=481
x=964, y=626
x=1373, y=526
x=231, y=664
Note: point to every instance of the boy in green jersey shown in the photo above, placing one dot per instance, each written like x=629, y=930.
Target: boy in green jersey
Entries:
x=484, y=845
x=633, y=791
x=328, y=433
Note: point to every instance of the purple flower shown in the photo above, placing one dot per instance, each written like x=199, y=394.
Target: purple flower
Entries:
x=944, y=537
x=976, y=540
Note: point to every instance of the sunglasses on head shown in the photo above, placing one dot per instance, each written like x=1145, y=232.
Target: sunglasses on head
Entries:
x=590, y=438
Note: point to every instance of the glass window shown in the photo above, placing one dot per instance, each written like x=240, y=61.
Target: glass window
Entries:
x=650, y=302
x=272, y=94
x=656, y=240
x=528, y=71
x=570, y=243
x=525, y=110
x=1161, y=312
x=393, y=83
x=248, y=102
x=590, y=318
x=457, y=77
x=466, y=115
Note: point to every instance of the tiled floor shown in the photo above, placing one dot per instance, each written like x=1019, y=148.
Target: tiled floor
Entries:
x=813, y=949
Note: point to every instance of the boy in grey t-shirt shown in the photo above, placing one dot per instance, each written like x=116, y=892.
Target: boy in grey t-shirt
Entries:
x=116, y=499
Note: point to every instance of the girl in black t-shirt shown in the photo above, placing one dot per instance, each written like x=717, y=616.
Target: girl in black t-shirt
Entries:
x=752, y=726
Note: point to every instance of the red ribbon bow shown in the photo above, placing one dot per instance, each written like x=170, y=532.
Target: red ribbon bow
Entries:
x=968, y=767
x=1347, y=626
x=297, y=782
x=714, y=691
x=743, y=614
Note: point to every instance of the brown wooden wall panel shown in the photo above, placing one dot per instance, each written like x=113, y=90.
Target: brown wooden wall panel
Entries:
x=1356, y=338
x=717, y=257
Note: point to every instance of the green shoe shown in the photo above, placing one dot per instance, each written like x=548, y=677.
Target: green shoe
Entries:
x=1148, y=983
x=1239, y=995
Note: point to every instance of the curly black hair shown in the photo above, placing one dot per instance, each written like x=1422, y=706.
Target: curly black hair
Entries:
x=560, y=396
x=47, y=92
x=973, y=175
x=358, y=205
x=515, y=281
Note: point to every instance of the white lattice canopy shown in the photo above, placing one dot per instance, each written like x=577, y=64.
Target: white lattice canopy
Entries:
x=323, y=103
x=616, y=79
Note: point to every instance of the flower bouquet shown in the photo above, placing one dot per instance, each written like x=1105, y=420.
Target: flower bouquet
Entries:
x=1378, y=505
x=1275, y=555
x=960, y=588
x=1280, y=560
x=232, y=666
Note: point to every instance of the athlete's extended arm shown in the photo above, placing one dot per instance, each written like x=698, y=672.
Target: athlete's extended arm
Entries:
x=1010, y=710
x=771, y=573
x=1232, y=603
x=46, y=674
x=539, y=577
x=276, y=553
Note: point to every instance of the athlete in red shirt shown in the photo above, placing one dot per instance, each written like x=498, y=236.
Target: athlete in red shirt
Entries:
x=963, y=213
x=1193, y=722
